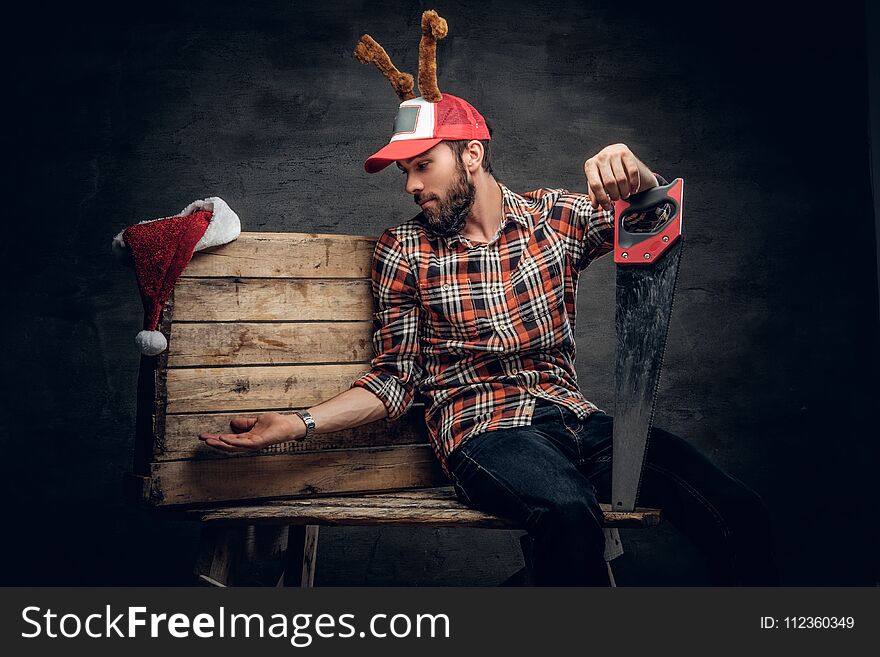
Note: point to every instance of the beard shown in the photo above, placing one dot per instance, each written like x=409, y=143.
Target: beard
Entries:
x=449, y=216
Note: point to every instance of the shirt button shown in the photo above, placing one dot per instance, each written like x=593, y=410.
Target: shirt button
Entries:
x=446, y=286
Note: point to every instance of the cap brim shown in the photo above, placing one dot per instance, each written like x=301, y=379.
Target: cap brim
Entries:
x=402, y=149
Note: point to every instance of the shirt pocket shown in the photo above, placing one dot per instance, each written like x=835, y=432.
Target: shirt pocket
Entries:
x=450, y=309
x=537, y=291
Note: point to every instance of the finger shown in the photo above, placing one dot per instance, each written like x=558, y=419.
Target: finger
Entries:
x=632, y=172
x=226, y=447
x=221, y=446
x=242, y=423
x=620, y=176
x=240, y=441
x=594, y=184
x=608, y=183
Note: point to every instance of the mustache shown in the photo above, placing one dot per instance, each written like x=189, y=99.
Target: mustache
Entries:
x=422, y=199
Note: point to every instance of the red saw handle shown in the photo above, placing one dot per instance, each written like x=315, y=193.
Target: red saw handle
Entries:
x=645, y=248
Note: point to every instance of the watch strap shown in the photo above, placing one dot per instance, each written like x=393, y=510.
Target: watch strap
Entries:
x=309, y=421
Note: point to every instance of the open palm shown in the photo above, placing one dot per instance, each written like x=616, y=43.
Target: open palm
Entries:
x=252, y=433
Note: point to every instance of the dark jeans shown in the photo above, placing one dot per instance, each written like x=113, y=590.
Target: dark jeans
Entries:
x=552, y=475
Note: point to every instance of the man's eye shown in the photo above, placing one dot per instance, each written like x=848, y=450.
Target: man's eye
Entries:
x=423, y=166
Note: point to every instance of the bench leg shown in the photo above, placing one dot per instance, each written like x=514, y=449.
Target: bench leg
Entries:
x=610, y=574
x=302, y=548
x=526, y=542
x=219, y=551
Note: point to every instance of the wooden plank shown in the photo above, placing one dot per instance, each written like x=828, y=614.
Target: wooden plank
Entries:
x=438, y=506
x=151, y=396
x=438, y=495
x=135, y=488
x=332, y=515
x=254, y=343
x=219, y=553
x=302, y=550
x=214, y=389
x=182, y=431
x=144, y=432
x=348, y=511
x=266, y=299
x=428, y=499
x=286, y=255
x=288, y=475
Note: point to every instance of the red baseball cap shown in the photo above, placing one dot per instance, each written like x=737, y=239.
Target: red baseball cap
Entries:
x=420, y=125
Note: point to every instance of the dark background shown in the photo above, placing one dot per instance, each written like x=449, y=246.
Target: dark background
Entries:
x=116, y=115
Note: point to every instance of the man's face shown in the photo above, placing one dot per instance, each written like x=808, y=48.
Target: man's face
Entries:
x=442, y=186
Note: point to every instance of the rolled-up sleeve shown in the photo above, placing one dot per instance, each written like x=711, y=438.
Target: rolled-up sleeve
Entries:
x=594, y=229
x=396, y=368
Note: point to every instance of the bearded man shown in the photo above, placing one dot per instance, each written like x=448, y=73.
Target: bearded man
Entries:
x=476, y=299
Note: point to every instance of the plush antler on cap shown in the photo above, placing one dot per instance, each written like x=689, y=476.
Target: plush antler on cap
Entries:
x=368, y=51
x=433, y=29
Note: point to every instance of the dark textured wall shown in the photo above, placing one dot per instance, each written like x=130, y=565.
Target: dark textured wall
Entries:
x=116, y=116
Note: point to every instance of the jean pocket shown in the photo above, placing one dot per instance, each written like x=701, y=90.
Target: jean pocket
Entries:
x=570, y=420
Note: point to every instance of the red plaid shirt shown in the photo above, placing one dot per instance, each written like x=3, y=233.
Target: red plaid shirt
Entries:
x=483, y=330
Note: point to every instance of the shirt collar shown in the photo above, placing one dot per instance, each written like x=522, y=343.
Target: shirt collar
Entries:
x=513, y=206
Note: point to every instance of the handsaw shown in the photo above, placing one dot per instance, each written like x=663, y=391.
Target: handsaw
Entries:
x=647, y=271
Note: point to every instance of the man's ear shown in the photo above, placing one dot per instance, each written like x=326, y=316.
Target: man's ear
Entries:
x=475, y=155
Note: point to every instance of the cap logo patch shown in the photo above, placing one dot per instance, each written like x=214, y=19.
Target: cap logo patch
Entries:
x=406, y=120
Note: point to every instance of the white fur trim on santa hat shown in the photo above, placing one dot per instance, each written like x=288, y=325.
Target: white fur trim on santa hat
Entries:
x=224, y=227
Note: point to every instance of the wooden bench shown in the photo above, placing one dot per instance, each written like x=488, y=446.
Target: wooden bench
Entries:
x=282, y=321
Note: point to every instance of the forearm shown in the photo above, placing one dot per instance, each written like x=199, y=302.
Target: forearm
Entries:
x=351, y=408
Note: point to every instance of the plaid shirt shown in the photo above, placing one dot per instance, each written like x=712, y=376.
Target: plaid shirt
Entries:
x=483, y=330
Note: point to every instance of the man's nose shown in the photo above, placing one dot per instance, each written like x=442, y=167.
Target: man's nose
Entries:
x=413, y=185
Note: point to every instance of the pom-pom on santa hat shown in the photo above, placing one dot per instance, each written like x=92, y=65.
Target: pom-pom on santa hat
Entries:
x=160, y=249
x=421, y=122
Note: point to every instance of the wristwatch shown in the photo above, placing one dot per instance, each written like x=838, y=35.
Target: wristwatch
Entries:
x=306, y=417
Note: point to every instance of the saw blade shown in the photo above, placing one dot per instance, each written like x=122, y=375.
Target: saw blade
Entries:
x=644, y=308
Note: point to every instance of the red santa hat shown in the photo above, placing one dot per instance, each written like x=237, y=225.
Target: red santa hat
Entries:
x=160, y=249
